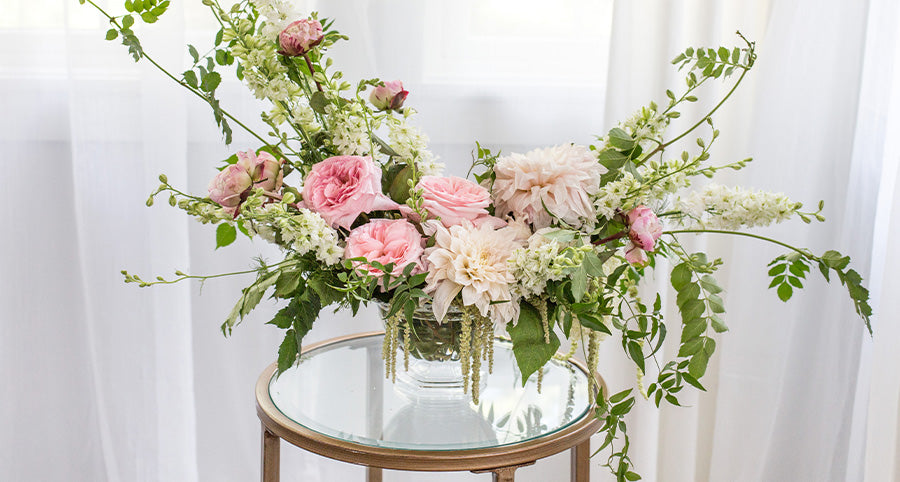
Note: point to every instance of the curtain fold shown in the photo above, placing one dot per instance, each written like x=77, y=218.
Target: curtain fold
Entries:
x=118, y=383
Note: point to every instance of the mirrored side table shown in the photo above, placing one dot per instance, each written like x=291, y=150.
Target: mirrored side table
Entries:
x=337, y=403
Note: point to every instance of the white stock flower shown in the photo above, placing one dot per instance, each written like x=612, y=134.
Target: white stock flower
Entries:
x=474, y=262
x=722, y=207
x=615, y=195
x=563, y=178
x=412, y=145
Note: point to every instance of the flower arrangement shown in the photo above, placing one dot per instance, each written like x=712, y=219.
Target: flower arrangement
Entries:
x=542, y=245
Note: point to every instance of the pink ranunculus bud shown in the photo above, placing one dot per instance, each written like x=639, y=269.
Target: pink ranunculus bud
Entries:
x=228, y=185
x=299, y=37
x=635, y=255
x=456, y=200
x=386, y=241
x=343, y=187
x=264, y=170
x=389, y=96
x=644, y=228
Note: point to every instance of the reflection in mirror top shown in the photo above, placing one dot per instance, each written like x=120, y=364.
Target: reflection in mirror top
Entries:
x=339, y=390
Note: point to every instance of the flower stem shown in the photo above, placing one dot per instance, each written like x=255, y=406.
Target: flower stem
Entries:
x=749, y=235
x=144, y=55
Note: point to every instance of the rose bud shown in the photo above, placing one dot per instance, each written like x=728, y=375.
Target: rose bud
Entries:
x=299, y=37
x=389, y=96
x=264, y=169
x=228, y=185
x=643, y=228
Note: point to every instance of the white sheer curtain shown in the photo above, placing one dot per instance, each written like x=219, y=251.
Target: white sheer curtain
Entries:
x=104, y=381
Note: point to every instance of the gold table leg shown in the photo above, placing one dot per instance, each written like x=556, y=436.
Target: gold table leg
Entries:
x=503, y=474
x=373, y=474
x=271, y=456
x=581, y=466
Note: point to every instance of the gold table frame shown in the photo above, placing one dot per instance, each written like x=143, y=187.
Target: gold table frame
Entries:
x=502, y=461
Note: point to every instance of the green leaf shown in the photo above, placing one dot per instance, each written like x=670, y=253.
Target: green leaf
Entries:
x=395, y=182
x=785, y=291
x=619, y=396
x=692, y=310
x=225, y=235
x=620, y=139
x=716, y=305
x=287, y=352
x=137, y=5
x=718, y=324
x=287, y=283
x=210, y=81
x=593, y=322
x=693, y=329
x=710, y=284
x=318, y=101
x=698, y=363
x=527, y=336
x=148, y=17
x=190, y=78
x=724, y=54
x=127, y=21
x=777, y=269
x=284, y=318
x=579, y=283
x=681, y=276
x=323, y=284
x=612, y=159
x=636, y=354
x=687, y=293
x=593, y=266
x=111, y=34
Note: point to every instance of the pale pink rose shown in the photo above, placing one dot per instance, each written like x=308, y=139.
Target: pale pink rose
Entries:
x=264, y=169
x=561, y=179
x=456, y=200
x=300, y=36
x=343, y=187
x=643, y=228
x=228, y=186
x=389, y=96
x=386, y=241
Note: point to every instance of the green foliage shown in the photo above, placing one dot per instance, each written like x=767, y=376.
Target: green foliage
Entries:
x=788, y=272
x=225, y=235
x=612, y=413
x=701, y=308
x=529, y=345
x=483, y=157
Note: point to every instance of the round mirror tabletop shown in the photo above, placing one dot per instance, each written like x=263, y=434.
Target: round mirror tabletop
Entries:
x=339, y=390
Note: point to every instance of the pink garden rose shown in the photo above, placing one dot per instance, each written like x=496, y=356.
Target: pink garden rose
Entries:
x=343, y=187
x=228, y=186
x=643, y=228
x=389, y=96
x=300, y=36
x=386, y=241
x=456, y=200
x=264, y=169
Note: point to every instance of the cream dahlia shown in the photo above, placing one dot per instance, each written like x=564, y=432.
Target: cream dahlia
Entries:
x=563, y=178
x=472, y=261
